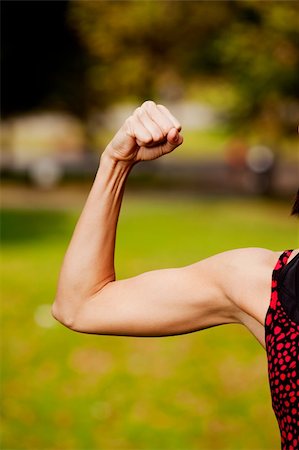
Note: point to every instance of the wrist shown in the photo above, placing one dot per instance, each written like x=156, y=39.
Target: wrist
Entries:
x=108, y=157
x=112, y=168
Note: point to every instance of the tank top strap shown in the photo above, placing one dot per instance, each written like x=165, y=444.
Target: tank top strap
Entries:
x=281, y=262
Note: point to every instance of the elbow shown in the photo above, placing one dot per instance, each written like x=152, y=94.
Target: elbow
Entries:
x=66, y=318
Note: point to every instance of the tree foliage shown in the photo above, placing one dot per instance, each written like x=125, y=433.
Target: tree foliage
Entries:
x=154, y=48
x=80, y=55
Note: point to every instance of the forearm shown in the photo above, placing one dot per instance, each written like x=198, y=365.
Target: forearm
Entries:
x=89, y=261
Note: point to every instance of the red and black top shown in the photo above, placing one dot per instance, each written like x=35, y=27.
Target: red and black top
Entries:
x=282, y=346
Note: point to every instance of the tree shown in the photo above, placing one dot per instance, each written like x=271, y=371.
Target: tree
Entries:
x=144, y=47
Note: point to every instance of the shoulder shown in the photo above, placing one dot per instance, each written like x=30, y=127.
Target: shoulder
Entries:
x=246, y=279
x=244, y=275
x=248, y=254
x=243, y=261
x=246, y=261
x=235, y=270
x=240, y=273
x=241, y=278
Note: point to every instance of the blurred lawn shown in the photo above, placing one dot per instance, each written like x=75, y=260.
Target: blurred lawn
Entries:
x=65, y=390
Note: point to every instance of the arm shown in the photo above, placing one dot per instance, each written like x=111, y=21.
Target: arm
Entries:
x=89, y=261
x=155, y=303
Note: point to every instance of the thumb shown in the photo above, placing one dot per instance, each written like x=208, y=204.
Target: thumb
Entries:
x=174, y=139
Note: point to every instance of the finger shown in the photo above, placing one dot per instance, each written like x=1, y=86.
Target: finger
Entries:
x=139, y=131
x=151, y=126
x=175, y=122
x=174, y=139
x=158, y=116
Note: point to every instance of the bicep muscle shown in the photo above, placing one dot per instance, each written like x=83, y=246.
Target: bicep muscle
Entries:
x=158, y=303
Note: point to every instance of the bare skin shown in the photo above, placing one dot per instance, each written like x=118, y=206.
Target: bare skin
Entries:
x=229, y=287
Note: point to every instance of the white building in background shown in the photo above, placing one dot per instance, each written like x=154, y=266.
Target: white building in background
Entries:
x=41, y=145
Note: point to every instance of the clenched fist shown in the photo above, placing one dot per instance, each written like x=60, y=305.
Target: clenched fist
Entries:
x=150, y=132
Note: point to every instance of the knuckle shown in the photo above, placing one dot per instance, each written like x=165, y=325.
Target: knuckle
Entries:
x=159, y=136
x=165, y=128
x=128, y=121
x=128, y=124
x=147, y=139
x=137, y=111
x=148, y=104
x=141, y=112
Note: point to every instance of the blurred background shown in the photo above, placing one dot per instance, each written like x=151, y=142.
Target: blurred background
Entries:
x=72, y=71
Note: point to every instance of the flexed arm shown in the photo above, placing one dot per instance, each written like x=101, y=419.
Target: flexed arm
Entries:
x=89, y=261
x=156, y=303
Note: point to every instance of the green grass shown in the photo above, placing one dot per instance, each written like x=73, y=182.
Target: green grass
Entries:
x=65, y=390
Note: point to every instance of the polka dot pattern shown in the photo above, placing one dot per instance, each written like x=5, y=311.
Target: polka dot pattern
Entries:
x=282, y=346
